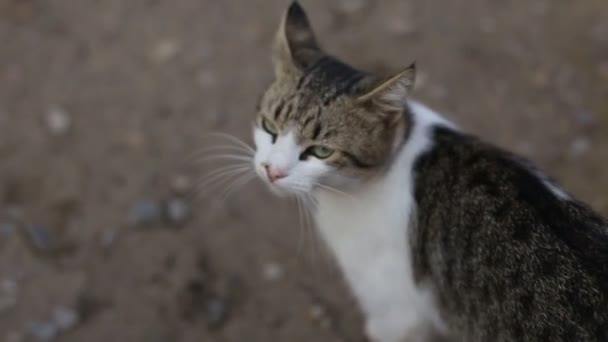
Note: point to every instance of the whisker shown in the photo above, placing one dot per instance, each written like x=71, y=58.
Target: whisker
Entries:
x=334, y=190
x=312, y=234
x=232, y=138
x=236, y=150
x=219, y=176
x=237, y=184
x=224, y=157
x=224, y=169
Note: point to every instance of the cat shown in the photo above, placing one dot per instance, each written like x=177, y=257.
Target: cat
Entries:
x=435, y=231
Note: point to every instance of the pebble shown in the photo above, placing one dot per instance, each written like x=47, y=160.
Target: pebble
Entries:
x=145, y=212
x=58, y=121
x=207, y=79
x=602, y=69
x=65, y=318
x=14, y=73
x=135, y=139
x=108, y=237
x=8, y=294
x=585, y=119
x=319, y=314
x=39, y=236
x=487, y=24
x=14, y=336
x=181, y=184
x=165, y=50
x=400, y=26
x=42, y=331
x=216, y=312
x=272, y=271
x=177, y=210
x=579, y=147
x=351, y=6
x=7, y=230
x=541, y=78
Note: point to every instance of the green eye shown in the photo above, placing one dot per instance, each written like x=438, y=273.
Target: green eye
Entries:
x=321, y=152
x=269, y=127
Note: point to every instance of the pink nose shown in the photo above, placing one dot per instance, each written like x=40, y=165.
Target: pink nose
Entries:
x=274, y=174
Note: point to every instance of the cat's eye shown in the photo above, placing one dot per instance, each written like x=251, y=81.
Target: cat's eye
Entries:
x=320, y=152
x=269, y=127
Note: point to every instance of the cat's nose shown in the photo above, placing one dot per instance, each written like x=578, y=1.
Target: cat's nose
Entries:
x=274, y=174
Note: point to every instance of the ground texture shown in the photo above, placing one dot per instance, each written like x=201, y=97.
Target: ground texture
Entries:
x=102, y=103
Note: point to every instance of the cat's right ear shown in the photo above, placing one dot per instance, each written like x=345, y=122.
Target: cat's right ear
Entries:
x=295, y=45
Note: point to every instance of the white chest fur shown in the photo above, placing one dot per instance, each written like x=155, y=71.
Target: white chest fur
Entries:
x=368, y=235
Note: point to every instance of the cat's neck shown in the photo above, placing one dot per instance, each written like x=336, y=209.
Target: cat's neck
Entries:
x=367, y=230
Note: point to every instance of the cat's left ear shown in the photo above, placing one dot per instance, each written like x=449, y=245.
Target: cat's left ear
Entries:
x=389, y=95
x=295, y=46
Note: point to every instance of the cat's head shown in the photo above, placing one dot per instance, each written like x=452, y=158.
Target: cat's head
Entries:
x=322, y=123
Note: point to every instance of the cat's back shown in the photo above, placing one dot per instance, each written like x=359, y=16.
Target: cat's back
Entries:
x=513, y=257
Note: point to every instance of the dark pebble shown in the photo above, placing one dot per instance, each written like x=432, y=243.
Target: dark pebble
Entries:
x=177, y=211
x=7, y=230
x=145, y=212
x=216, y=312
x=42, y=331
x=39, y=236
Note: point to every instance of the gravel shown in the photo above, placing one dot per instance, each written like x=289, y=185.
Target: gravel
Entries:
x=7, y=230
x=58, y=121
x=8, y=294
x=177, y=211
x=272, y=271
x=65, y=318
x=579, y=147
x=42, y=331
x=216, y=312
x=146, y=212
x=39, y=236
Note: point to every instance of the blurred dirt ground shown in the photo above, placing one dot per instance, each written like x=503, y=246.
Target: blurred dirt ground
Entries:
x=103, y=102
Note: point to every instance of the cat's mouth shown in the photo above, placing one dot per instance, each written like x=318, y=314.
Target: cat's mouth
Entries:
x=283, y=187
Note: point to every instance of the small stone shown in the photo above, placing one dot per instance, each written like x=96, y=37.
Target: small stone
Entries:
x=602, y=69
x=541, y=78
x=65, y=318
x=273, y=271
x=181, y=184
x=487, y=24
x=165, y=50
x=317, y=312
x=351, y=6
x=579, y=147
x=177, y=211
x=438, y=92
x=108, y=238
x=42, y=331
x=422, y=80
x=8, y=294
x=216, y=312
x=14, y=73
x=39, y=236
x=400, y=26
x=145, y=212
x=7, y=230
x=135, y=139
x=14, y=336
x=207, y=78
x=585, y=119
x=58, y=121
